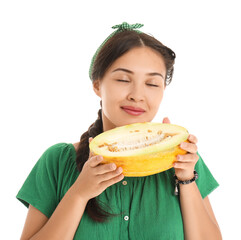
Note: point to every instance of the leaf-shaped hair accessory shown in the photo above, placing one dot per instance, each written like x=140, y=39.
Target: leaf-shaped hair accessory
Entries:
x=120, y=28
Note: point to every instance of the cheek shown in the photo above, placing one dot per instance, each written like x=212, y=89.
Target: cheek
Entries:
x=155, y=98
x=113, y=93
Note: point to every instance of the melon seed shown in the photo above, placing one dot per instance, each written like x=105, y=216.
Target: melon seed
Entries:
x=104, y=144
x=169, y=134
x=113, y=149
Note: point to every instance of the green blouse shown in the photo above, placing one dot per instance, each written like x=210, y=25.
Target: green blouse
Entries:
x=149, y=209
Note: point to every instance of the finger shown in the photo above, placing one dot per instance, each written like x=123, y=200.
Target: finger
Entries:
x=183, y=165
x=105, y=168
x=109, y=175
x=192, y=138
x=190, y=157
x=189, y=147
x=166, y=120
x=112, y=181
x=95, y=160
x=91, y=154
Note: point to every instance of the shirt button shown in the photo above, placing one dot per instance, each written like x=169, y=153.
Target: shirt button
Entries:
x=124, y=182
x=126, y=218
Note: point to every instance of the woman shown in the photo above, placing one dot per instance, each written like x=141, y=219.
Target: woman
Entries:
x=71, y=195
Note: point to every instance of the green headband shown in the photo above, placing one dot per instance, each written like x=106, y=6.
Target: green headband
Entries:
x=120, y=28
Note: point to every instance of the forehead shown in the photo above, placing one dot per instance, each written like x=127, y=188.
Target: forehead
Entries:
x=140, y=59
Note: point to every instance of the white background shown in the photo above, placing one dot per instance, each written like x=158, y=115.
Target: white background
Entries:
x=46, y=96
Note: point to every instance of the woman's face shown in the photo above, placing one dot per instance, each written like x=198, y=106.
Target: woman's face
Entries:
x=135, y=81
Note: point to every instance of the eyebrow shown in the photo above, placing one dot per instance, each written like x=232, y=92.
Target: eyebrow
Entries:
x=129, y=71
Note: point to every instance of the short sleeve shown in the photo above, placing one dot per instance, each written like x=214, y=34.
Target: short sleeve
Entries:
x=205, y=182
x=40, y=187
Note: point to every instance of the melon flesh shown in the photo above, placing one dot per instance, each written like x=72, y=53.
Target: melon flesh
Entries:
x=141, y=149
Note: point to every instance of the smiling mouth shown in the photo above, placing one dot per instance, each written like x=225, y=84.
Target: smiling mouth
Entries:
x=132, y=112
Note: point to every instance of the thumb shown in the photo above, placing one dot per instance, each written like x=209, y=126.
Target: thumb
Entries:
x=166, y=120
x=90, y=153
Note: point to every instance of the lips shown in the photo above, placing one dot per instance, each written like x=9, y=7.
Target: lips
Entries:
x=136, y=109
x=133, y=110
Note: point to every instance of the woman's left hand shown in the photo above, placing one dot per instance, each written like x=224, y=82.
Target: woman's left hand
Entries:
x=184, y=166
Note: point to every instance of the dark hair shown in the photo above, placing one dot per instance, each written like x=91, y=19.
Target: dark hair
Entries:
x=124, y=41
x=115, y=47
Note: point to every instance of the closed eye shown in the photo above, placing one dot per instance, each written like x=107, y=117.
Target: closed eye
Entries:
x=152, y=85
x=120, y=80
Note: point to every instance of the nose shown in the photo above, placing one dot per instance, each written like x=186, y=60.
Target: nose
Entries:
x=136, y=93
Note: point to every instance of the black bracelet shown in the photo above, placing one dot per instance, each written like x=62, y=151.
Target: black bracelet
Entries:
x=177, y=182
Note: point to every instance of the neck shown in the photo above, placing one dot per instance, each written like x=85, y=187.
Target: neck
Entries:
x=107, y=124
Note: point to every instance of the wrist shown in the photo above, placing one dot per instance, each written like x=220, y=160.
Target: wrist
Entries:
x=186, y=177
x=76, y=194
x=184, y=182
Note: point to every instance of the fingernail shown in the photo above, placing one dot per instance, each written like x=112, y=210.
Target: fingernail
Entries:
x=179, y=157
x=113, y=166
x=183, y=144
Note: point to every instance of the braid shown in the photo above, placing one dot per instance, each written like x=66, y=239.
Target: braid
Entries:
x=93, y=207
x=97, y=127
x=83, y=149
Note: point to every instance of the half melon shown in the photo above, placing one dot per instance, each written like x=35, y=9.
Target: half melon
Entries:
x=141, y=149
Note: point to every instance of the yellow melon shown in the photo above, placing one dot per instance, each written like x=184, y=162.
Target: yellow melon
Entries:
x=141, y=149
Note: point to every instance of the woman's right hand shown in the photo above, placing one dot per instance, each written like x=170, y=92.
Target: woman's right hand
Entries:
x=95, y=177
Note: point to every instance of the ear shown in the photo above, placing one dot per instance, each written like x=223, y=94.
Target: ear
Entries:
x=96, y=87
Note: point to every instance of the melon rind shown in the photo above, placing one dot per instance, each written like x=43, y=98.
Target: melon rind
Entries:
x=144, y=161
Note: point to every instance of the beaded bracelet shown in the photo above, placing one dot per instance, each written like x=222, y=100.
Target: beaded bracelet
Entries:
x=177, y=182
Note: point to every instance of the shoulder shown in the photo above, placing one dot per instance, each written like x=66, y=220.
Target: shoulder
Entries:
x=56, y=147
x=59, y=148
x=58, y=154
